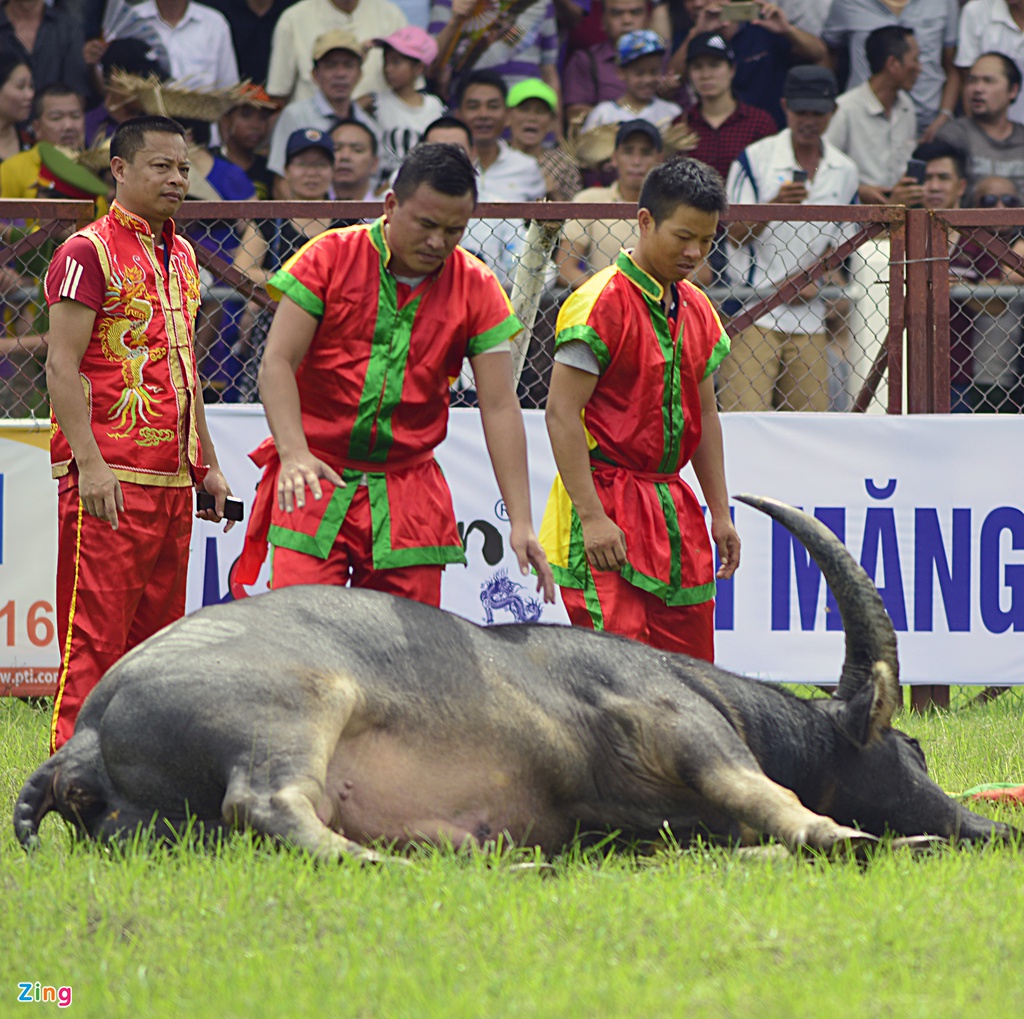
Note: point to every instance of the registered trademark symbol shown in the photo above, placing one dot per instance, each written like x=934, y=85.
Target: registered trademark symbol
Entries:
x=499, y=510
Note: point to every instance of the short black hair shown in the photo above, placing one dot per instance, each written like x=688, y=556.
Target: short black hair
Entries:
x=682, y=181
x=54, y=89
x=1010, y=68
x=352, y=122
x=484, y=77
x=440, y=165
x=927, y=151
x=453, y=123
x=885, y=42
x=130, y=136
x=9, y=63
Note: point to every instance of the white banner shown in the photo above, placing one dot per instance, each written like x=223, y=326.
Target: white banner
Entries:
x=920, y=501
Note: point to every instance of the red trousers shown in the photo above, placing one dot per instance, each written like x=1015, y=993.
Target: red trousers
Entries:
x=114, y=588
x=351, y=562
x=615, y=605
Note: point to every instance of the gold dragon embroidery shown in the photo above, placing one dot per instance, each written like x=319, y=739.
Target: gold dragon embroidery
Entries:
x=122, y=333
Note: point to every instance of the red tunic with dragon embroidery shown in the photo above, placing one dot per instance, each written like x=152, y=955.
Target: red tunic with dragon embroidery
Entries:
x=139, y=370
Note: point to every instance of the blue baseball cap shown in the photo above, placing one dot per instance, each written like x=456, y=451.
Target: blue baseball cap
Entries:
x=308, y=138
x=634, y=45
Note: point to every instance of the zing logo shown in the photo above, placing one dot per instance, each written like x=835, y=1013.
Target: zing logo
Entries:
x=30, y=993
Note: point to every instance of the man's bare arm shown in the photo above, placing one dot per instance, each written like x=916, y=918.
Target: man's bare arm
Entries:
x=570, y=390
x=288, y=341
x=70, y=332
x=709, y=465
x=505, y=435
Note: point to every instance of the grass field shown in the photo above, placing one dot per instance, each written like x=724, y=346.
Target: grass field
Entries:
x=252, y=932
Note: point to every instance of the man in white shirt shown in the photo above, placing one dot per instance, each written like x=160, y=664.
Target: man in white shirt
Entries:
x=197, y=39
x=503, y=174
x=876, y=126
x=337, y=59
x=291, y=70
x=781, y=361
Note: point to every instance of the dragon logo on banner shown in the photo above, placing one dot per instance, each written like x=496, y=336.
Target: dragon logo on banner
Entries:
x=502, y=593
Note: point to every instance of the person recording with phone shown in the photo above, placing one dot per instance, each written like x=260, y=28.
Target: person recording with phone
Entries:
x=766, y=45
x=875, y=124
x=129, y=440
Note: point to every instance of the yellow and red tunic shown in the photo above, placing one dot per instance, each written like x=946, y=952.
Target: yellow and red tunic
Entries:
x=373, y=390
x=139, y=370
x=643, y=423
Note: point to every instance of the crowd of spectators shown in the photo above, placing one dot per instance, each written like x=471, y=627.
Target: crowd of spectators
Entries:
x=796, y=102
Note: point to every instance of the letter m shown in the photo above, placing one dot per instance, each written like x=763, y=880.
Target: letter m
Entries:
x=787, y=549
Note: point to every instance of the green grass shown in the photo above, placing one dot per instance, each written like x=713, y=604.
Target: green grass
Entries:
x=250, y=932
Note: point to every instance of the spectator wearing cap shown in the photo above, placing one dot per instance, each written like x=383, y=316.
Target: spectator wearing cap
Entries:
x=133, y=56
x=781, y=362
x=591, y=75
x=291, y=65
x=590, y=245
x=935, y=23
x=267, y=245
x=724, y=126
x=640, y=55
x=337, y=67
x=532, y=117
x=197, y=39
x=356, y=163
x=244, y=130
x=57, y=38
x=529, y=48
x=252, y=24
x=765, y=49
x=401, y=110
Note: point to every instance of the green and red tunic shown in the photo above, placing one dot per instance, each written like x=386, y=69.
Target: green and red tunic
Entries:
x=373, y=389
x=643, y=423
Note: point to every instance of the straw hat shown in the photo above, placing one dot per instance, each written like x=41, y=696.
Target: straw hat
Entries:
x=589, y=149
x=174, y=99
x=97, y=156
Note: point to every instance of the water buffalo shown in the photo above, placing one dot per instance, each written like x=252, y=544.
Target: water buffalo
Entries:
x=329, y=719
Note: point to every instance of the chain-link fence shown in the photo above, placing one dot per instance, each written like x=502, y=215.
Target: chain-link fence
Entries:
x=30, y=233
x=829, y=308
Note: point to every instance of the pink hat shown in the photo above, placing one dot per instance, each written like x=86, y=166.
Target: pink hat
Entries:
x=411, y=42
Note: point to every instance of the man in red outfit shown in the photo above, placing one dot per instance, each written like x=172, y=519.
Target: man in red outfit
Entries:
x=632, y=400
x=374, y=322
x=129, y=436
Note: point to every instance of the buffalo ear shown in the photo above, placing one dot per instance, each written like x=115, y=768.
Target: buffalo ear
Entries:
x=867, y=713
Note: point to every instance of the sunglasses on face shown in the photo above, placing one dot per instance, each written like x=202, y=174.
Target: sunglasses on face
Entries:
x=991, y=201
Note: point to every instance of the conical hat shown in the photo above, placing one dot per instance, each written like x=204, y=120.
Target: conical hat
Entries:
x=64, y=169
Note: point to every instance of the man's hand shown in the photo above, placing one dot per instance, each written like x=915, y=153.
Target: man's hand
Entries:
x=773, y=19
x=529, y=553
x=605, y=544
x=215, y=484
x=907, y=192
x=296, y=473
x=727, y=541
x=791, y=193
x=100, y=491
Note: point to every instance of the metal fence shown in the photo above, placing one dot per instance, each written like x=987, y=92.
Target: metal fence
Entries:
x=847, y=308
